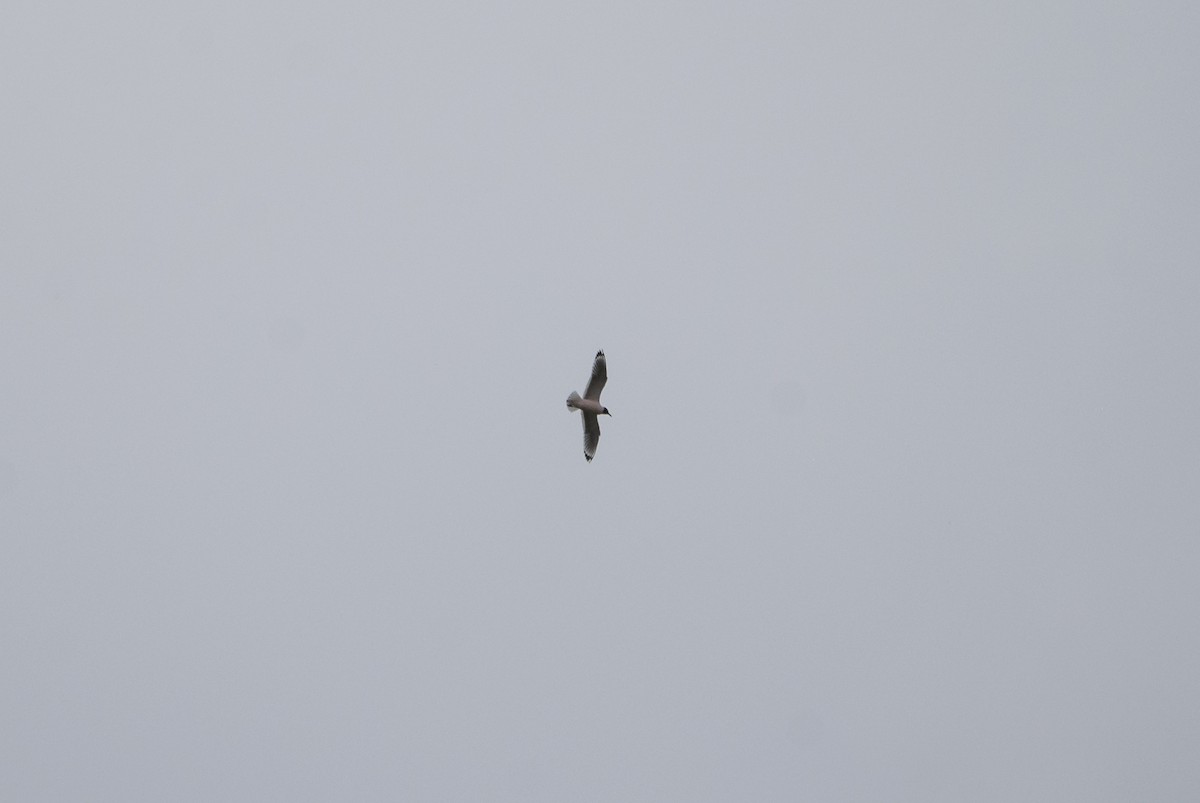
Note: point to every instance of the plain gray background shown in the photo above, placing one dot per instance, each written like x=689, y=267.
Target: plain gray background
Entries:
x=899, y=500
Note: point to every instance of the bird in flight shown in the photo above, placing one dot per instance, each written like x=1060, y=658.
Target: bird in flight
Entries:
x=591, y=407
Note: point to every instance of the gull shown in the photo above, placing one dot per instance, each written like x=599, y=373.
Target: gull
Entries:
x=590, y=406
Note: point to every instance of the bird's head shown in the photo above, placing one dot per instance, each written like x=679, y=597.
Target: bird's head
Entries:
x=606, y=412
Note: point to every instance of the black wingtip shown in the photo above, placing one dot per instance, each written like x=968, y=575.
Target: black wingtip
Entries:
x=600, y=353
x=587, y=457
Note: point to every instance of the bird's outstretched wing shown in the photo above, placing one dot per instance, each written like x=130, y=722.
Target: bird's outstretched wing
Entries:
x=599, y=377
x=591, y=434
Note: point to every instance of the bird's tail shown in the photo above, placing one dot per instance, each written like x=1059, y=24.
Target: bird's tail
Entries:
x=574, y=397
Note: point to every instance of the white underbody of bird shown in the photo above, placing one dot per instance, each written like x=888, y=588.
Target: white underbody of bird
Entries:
x=591, y=408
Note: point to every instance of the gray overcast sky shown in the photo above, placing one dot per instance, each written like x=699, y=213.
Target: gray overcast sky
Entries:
x=899, y=500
